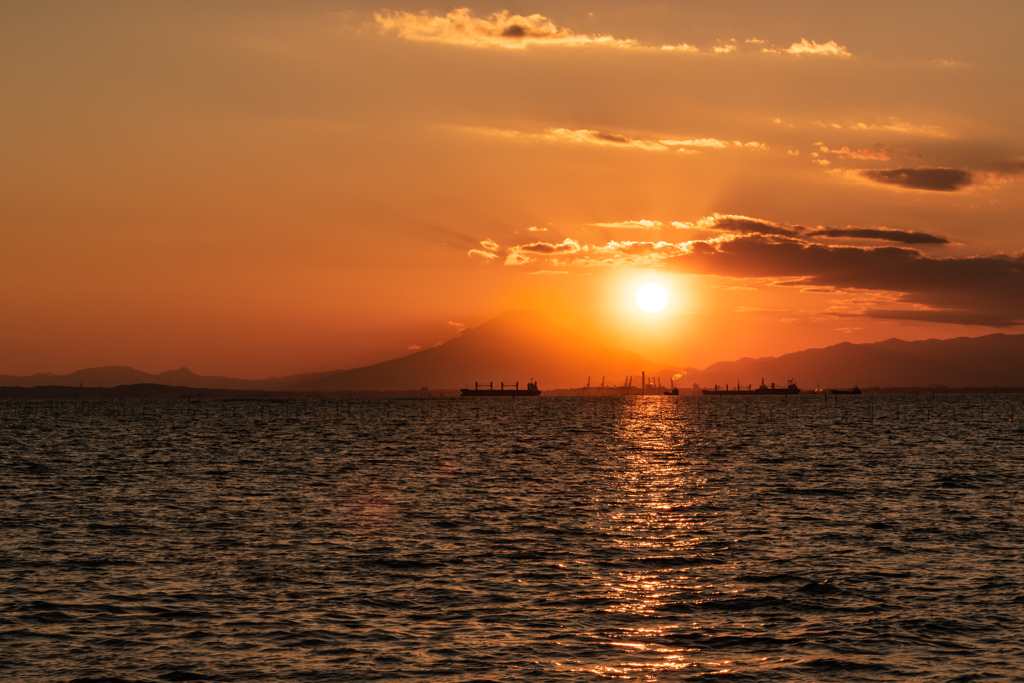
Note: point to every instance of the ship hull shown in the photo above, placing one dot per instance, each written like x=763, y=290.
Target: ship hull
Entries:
x=750, y=392
x=500, y=392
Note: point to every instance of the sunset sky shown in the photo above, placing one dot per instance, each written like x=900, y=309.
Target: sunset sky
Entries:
x=263, y=188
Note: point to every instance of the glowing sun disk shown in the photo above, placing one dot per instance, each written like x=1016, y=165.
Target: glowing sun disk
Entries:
x=652, y=297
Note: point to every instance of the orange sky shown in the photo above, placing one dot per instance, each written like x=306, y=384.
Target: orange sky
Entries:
x=258, y=188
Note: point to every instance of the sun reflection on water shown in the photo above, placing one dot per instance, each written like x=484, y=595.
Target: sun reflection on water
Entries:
x=659, y=526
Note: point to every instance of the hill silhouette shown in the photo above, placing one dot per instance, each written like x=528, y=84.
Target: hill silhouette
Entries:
x=990, y=361
x=120, y=375
x=522, y=345
x=515, y=346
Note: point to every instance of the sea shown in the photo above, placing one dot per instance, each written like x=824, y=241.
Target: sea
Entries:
x=654, y=538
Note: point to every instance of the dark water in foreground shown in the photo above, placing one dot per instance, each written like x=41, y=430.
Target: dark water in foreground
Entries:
x=551, y=539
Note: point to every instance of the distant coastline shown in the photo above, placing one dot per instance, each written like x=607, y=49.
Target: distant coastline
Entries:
x=520, y=346
x=161, y=391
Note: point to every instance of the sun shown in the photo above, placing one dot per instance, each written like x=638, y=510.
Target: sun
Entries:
x=652, y=297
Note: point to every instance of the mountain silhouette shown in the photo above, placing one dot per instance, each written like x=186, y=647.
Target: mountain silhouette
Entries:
x=517, y=346
x=120, y=375
x=990, y=361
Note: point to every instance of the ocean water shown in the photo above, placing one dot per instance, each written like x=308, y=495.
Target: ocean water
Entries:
x=809, y=538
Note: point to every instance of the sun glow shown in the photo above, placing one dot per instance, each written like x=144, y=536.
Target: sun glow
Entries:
x=651, y=297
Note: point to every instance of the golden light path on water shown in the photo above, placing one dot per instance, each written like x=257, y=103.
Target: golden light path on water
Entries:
x=656, y=525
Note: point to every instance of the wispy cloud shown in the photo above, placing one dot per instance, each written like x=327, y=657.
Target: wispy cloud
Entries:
x=875, y=153
x=892, y=125
x=882, y=234
x=571, y=252
x=604, y=138
x=809, y=47
x=488, y=251
x=743, y=225
x=505, y=30
x=897, y=126
x=681, y=47
x=931, y=179
x=501, y=29
x=719, y=223
x=525, y=253
x=638, y=224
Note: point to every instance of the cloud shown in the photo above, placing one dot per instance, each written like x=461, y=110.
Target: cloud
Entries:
x=640, y=224
x=571, y=252
x=600, y=137
x=501, y=29
x=952, y=316
x=892, y=125
x=967, y=291
x=712, y=143
x=525, y=253
x=745, y=225
x=487, y=253
x=504, y=30
x=897, y=126
x=876, y=153
x=739, y=224
x=534, y=228
x=809, y=47
x=458, y=327
x=414, y=347
x=605, y=138
x=932, y=179
x=682, y=47
x=885, y=234
x=975, y=290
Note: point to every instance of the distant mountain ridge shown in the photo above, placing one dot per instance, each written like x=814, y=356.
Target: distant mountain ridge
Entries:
x=517, y=346
x=522, y=345
x=995, y=360
x=118, y=375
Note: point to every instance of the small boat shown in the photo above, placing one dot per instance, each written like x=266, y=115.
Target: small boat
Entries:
x=504, y=390
x=855, y=390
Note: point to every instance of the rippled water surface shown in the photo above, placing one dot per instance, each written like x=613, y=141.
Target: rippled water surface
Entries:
x=860, y=538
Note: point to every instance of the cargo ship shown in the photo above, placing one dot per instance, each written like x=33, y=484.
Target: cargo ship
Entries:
x=505, y=390
x=763, y=390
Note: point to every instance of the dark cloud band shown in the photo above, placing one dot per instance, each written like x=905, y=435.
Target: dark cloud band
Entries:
x=933, y=179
